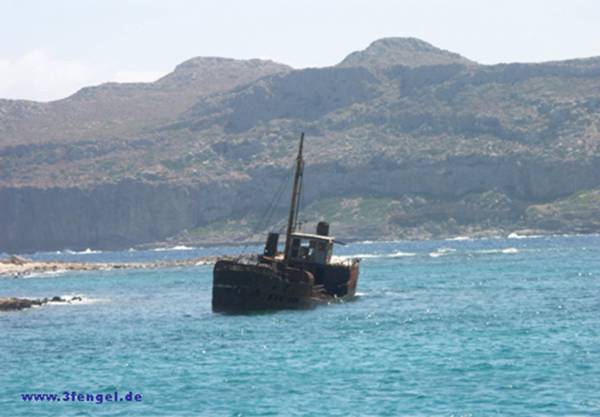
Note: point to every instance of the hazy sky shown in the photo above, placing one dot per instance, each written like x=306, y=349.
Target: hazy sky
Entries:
x=50, y=49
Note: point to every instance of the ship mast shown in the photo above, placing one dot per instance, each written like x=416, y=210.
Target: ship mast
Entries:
x=291, y=227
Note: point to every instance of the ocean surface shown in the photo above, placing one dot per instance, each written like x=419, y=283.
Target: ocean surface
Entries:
x=484, y=327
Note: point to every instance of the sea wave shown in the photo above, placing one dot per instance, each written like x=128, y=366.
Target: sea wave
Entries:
x=44, y=274
x=459, y=238
x=174, y=248
x=515, y=235
x=441, y=252
x=88, y=251
x=397, y=254
x=400, y=254
x=498, y=250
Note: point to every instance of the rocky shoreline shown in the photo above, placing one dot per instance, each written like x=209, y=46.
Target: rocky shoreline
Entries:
x=17, y=266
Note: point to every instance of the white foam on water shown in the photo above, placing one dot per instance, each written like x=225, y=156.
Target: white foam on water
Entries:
x=84, y=300
x=397, y=254
x=459, y=238
x=83, y=252
x=372, y=242
x=515, y=235
x=498, y=250
x=45, y=274
x=88, y=250
x=510, y=250
x=441, y=252
x=174, y=248
x=400, y=254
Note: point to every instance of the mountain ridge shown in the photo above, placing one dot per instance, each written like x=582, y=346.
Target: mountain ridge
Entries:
x=412, y=52
x=435, y=147
x=124, y=109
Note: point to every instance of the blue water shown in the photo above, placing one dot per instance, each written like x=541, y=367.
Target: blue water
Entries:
x=489, y=327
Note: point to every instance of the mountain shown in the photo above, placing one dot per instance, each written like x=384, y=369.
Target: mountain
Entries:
x=409, y=52
x=123, y=109
x=403, y=140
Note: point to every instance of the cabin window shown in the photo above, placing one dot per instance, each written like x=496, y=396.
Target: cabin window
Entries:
x=305, y=250
x=310, y=250
x=295, y=248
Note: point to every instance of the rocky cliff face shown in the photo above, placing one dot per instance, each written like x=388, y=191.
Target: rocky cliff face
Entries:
x=403, y=139
x=130, y=212
x=106, y=216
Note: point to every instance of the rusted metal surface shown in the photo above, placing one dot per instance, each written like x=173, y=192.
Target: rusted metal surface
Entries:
x=241, y=287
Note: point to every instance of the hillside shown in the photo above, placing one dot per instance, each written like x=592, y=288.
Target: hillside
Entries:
x=122, y=109
x=409, y=52
x=403, y=140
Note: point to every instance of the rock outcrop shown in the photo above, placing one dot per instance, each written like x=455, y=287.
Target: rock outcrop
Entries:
x=13, y=303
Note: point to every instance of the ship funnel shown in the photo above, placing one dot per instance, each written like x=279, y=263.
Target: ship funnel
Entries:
x=323, y=229
x=271, y=245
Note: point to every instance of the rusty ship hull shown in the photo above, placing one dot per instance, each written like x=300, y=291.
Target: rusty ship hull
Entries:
x=239, y=287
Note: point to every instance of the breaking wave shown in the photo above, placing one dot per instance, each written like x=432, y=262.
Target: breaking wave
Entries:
x=77, y=299
x=441, y=252
x=504, y=250
x=397, y=254
x=178, y=247
x=400, y=254
x=88, y=251
x=44, y=274
x=515, y=235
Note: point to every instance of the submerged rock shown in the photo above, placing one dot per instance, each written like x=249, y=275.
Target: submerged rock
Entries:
x=14, y=303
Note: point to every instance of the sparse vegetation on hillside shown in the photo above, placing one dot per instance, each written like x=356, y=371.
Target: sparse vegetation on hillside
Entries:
x=402, y=138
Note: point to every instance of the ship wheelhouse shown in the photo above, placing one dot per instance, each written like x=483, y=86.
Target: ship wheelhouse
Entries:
x=312, y=248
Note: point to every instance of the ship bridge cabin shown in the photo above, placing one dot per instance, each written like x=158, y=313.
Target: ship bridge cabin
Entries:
x=304, y=247
x=307, y=247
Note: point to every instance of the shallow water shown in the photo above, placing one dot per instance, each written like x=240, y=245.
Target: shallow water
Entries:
x=502, y=327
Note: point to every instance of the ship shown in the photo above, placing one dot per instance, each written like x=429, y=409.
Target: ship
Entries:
x=302, y=276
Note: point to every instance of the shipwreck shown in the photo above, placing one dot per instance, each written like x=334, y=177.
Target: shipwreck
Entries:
x=301, y=276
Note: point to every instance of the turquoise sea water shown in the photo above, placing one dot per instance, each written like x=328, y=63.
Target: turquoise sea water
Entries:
x=490, y=327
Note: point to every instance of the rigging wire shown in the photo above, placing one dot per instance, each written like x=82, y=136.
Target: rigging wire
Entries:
x=270, y=211
x=273, y=207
